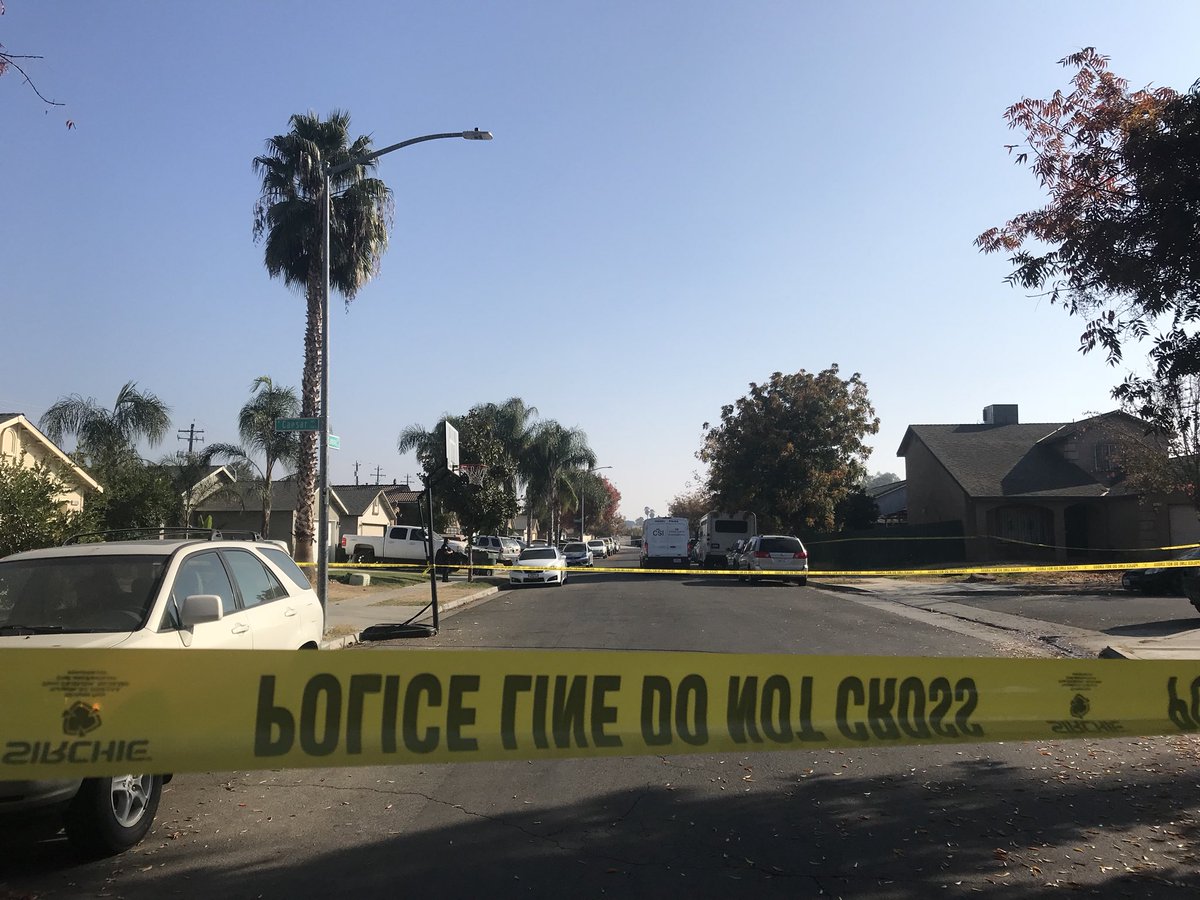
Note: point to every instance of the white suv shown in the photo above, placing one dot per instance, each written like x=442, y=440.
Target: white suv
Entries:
x=184, y=594
x=507, y=549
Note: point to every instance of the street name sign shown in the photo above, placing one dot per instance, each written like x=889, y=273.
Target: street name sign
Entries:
x=310, y=424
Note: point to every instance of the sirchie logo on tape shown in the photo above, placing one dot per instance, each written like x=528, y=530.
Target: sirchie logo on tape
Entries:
x=80, y=718
x=1080, y=706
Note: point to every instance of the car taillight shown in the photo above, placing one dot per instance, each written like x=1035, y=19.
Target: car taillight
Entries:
x=800, y=555
x=761, y=554
x=343, y=541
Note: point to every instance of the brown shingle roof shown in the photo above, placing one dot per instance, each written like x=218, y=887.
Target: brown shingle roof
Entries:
x=1006, y=460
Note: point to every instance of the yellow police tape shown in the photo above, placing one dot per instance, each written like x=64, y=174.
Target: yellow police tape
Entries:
x=73, y=713
x=818, y=573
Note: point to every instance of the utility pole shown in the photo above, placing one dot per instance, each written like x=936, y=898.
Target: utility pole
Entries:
x=356, y=465
x=191, y=438
x=378, y=474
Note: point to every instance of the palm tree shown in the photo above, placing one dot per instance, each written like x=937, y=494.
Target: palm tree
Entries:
x=105, y=437
x=554, y=454
x=511, y=423
x=288, y=220
x=256, y=426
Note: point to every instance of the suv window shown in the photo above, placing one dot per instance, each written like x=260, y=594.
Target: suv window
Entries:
x=288, y=567
x=204, y=574
x=78, y=593
x=780, y=545
x=254, y=580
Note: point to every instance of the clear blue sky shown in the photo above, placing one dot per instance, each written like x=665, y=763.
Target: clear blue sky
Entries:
x=681, y=198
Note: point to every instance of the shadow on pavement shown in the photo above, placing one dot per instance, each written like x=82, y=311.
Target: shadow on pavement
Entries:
x=1154, y=629
x=949, y=830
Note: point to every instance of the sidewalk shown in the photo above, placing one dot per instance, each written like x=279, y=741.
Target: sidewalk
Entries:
x=1184, y=645
x=352, y=610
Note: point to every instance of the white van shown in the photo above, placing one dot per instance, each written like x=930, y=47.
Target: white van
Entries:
x=718, y=532
x=665, y=542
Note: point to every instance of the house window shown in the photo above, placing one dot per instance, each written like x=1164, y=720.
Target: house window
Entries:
x=1105, y=453
x=375, y=508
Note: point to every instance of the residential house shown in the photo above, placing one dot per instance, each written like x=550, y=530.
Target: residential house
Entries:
x=892, y=500
x=405, y=503
x=240, y=509
x=1048, y=490
x=367, y=509
x=20, y=440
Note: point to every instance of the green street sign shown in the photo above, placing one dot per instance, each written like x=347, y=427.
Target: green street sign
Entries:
x=312, y=424
x=335, y=442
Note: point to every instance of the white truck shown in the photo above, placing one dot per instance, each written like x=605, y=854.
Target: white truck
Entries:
x=400, y=544
x=717, y=534
x=665, y=543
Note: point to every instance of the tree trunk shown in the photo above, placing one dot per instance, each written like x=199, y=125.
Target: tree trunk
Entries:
x=310, y=389
x=266, y=498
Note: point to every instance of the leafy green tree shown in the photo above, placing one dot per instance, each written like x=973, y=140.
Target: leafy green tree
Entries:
x=856, y=510
x=108, y=437
x=487, y=507
x=31, y=513
x=791, y=449
x=137, y=495
x=429, y=447
x=691, y=505
x=288, y=221
x=1116, y=241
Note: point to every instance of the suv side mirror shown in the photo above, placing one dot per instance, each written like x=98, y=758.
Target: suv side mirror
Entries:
x=200, y=608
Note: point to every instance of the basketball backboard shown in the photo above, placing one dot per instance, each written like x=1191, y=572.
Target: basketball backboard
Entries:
x=451, y=447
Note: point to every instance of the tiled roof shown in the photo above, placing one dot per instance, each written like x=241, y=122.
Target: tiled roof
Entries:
x=1006, y=460
x=399, y=493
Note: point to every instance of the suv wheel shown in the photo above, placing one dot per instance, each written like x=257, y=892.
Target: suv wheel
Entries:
x=110, y=815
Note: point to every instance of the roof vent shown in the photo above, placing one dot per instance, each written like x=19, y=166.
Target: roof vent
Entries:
x=1000, y=414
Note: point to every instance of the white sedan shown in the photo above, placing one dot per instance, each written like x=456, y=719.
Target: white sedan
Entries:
x=539, y=565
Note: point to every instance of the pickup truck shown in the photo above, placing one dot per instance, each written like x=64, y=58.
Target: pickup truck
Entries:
x=405, y=544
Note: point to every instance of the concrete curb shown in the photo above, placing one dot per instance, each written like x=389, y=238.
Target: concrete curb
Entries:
x=349, y=640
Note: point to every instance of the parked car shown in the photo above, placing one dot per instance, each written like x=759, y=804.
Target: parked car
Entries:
x=599, y=549
x=1165, y=580
x=774, y=553
x=577, y=554
x=635, y=542
x=507, y=550
x=186, y=594
x=539, y=565
x=735, y=553
x=611, y=545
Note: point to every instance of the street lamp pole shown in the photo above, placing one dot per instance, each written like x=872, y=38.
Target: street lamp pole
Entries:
x=582, y=537
x=323, y=415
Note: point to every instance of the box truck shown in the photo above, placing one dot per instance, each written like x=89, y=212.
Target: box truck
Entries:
x=665, y=542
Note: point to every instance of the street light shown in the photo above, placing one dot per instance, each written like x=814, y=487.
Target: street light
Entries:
x=323, y=414
x=581, y=499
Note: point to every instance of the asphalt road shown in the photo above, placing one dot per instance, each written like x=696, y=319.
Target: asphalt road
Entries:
x=1108, y=818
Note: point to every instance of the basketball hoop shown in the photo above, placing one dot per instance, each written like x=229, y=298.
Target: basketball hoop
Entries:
x=475, y=473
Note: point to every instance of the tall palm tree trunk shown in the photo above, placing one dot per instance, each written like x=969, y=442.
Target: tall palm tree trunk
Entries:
x=310, y=398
